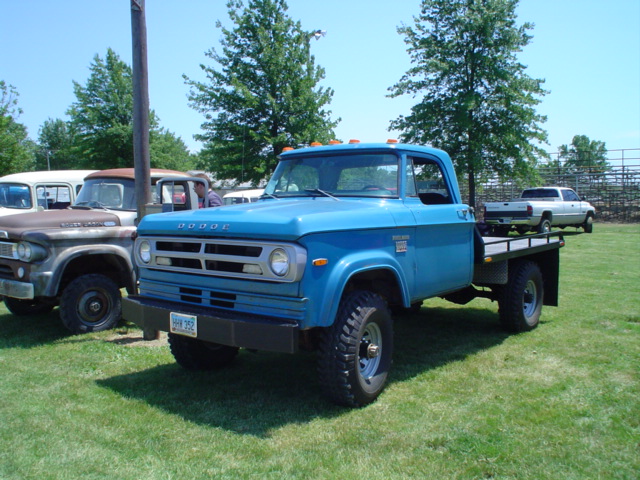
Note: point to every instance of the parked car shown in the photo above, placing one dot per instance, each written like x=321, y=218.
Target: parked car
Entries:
x=242, y=196
x=37, y=191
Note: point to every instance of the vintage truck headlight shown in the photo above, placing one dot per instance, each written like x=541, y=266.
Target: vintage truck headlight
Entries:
x=144, y=251
x=28, y=252
x=279, y=262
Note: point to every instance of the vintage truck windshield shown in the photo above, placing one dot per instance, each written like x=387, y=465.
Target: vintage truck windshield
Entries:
x=111, y=193
x=370, y=175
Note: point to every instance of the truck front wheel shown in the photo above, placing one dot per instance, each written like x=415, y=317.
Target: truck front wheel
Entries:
x=520, y=302
x=588, y=224
x=194, y=354
x=355, y=352
x=91, y=303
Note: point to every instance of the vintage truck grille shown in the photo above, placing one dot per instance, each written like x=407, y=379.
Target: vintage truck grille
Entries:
x=223, y=258
x=7, y=250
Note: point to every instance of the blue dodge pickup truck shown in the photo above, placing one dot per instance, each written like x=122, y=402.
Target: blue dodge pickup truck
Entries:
x=342, y=233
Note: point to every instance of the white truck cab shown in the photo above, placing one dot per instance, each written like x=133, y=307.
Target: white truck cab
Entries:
x=38, y=191
x=242, y=196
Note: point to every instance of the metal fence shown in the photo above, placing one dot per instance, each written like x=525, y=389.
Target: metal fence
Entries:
x=614, y=192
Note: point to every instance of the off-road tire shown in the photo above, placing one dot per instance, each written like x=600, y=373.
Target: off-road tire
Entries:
x=91, y=303
x=194, y=354
x=520, y=301
x=355, y=353
x=22, y=307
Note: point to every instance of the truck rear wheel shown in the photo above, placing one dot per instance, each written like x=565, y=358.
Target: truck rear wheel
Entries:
x=91, y=303
x=21, y=307
x=194, y=354
x=355, y=352
x=520, y=303
x=544, y=226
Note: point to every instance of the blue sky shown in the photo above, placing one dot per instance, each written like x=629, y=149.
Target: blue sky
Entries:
x=588, y=52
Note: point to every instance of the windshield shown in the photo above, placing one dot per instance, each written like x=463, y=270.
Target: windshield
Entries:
x=112, y=193
x=370, y=175
x=15, y=195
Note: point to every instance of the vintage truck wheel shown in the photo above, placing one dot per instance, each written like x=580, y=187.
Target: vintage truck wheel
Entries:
x=91, y=303
x=355, y=352
x=20, y=307
x=194, y=354
x=520, y=302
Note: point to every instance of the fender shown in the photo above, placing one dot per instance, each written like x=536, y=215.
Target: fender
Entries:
x=326, y=300
x=65, y=257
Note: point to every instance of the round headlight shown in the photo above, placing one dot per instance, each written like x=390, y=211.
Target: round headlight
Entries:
x=24, y=252
x=144, y=251
x=279, y=262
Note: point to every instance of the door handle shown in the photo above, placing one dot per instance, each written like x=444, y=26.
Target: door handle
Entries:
x=464, y=213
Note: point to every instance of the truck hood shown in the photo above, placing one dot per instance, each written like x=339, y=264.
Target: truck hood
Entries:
x=275, y=219
x=17, y=225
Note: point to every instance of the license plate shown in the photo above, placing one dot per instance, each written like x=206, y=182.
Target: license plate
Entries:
x=183, y=324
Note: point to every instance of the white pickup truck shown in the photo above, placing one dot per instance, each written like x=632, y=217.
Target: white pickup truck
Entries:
x=539, y=209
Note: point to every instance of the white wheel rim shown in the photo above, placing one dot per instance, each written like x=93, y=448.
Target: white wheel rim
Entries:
x=530, y=299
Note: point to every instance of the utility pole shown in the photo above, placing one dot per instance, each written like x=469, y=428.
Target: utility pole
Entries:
x=141, y=158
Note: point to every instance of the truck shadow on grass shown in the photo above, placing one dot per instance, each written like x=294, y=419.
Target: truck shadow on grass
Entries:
x=30, y=330
x=262, y=392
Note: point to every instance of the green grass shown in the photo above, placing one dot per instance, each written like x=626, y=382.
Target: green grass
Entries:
x=465, y=400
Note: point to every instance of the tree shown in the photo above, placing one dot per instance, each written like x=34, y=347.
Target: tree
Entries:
x=584, y=155
x=478, y=103
x=102, y=121
x=264, y=95
x=169, y=151
x=55, y=151
x=102, y=115
x=16, y=150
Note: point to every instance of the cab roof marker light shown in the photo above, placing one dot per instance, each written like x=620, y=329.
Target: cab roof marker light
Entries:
x=335, y=142
x=392, y=140
x=287, y=149
x=316, y=144
x=353, y=140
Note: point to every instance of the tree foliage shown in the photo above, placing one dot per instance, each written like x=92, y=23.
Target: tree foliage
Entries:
x=477, y=102
x=102, y=122
x=16, y=150
x=56, y=141
x=263, y=95
x=102, y=114
x=585, y=155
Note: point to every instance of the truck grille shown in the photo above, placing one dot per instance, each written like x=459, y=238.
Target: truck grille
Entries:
x=222, y=258
x=7, y=250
